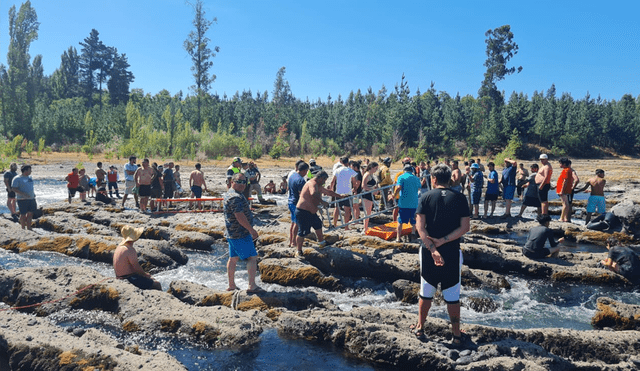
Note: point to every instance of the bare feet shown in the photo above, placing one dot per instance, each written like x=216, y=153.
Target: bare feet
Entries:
x=232, y=288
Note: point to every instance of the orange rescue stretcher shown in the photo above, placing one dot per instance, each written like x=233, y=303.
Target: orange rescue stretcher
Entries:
x=388, y=231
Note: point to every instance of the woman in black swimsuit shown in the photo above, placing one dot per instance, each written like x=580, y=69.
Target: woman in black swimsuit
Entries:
x=369, y=183
x=355, y=165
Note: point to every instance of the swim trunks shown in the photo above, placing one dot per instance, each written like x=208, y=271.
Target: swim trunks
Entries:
x=596, y=203
x=129, y=185
x=141, y=282
x=451, y=294
x=531, y=201
x=241, y=247
x=475, y=197
x=197, y=191
x=27, y=206
x=509, y=190
x=543, y=193
x=406, y=215
x=144, y=190
x=490, y=196
x=306, y=220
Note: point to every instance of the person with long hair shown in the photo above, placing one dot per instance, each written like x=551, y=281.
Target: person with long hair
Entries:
x=369, y=183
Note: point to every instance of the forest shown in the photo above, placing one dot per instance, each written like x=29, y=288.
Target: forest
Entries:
x=87, y=105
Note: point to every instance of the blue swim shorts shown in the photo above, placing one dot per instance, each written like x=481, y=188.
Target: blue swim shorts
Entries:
x=406, y=215
x=508, y=192
x=475, y=196
x=241, y=247
x=596, y=203
x=292, y=209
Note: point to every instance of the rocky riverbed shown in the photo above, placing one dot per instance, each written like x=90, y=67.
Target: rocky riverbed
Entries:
x=30, y=338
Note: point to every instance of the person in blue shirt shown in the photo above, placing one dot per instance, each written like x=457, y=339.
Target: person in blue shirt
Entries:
x=23, y=187
x=296, y=182
x=508, y=184
x=407, y=187
x=492, y=189
x=476, y=179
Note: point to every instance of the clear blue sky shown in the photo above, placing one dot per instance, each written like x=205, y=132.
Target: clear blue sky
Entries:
x=334, y=47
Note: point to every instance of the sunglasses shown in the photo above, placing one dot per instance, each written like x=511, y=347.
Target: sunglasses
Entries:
x=241, y=181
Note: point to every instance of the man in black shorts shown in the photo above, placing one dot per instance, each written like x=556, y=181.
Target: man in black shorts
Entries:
x=307, y=207
x=543, y=180
x=442, y=218
x=143, y=177
x=11, y=195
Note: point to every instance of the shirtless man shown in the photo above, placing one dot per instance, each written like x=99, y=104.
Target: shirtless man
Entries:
x=522, y=175
x=456, y=177
x=101, y=174
x=197, y=183
x=307, y=207
x=270, y=187
x=125, y=261
x=480, y=164
x=596, y=200
x=143, y=178
x=543, y=180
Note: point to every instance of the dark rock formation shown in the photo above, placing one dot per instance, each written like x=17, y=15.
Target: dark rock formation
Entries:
x=616, y=315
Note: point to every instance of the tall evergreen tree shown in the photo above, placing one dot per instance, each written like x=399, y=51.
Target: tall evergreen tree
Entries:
x=17, y=83
x=119, y=78
x=66, y=79
x=90, y=64
x=500, y=49
x=197, y=46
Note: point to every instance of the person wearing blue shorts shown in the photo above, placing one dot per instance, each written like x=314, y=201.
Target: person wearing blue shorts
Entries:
x=296, y=182
x=476, y=180
x=596, y=200
x=239, y=232
x=508, y=184
x=407, y=187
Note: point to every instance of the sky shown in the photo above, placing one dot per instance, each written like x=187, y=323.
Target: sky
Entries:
x=335, y=47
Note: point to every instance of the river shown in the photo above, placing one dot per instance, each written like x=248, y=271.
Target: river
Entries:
x=528, y=304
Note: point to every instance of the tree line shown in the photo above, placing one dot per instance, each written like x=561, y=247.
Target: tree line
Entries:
x=86, y=105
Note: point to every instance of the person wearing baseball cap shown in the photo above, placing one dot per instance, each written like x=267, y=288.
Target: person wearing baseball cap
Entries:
x=125, y=261
x=236, y=166
x=543, y=180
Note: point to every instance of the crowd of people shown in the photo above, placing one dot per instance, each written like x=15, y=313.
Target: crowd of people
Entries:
x=430, y=198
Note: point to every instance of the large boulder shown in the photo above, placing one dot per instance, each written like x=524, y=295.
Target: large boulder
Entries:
x=616, y=315
x=629, y=214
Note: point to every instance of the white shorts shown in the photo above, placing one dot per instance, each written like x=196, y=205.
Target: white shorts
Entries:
x=129, y=186
x=450, y=295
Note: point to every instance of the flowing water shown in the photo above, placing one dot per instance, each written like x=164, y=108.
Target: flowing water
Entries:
x=529, y=304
